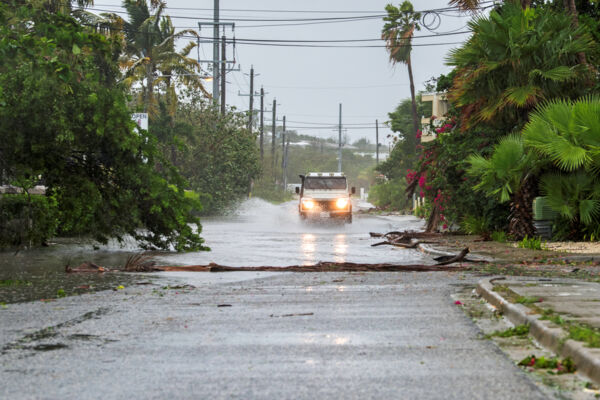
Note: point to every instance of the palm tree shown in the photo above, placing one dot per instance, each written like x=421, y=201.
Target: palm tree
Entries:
x=568, y=135
x=398, y=31
x=575, y=196
x=509, y=175
x=473, y=5
x=150, y=54
x=515, y=59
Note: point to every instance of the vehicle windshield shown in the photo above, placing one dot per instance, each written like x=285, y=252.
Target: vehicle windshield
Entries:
x=325, y=183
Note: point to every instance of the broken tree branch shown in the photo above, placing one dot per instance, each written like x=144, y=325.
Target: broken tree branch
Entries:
x=444, y=260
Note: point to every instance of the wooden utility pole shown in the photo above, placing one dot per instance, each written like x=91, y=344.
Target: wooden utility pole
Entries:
x=340, y=141
x=283, y=153
x=273, y=139
x=251, y=108
x=262, y=122
x=215, y=60
x=377, y=142
x=285, y=157
x=223, y=71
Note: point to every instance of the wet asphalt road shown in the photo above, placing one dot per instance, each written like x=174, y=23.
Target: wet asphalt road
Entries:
x=284, y=336
x=261, y=335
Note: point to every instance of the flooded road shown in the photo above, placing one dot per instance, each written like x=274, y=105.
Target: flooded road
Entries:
x=260, y=233
x=257, y=233
x=263, y=335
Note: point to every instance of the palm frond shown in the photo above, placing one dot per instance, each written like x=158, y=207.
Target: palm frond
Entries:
x=558, y=74
x=523, y=96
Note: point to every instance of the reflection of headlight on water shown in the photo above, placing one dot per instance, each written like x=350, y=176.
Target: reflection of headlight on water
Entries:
x=341, y=202
x=308, y=204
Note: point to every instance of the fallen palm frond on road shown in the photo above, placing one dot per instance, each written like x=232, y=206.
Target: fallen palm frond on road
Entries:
x=403, y=239
x=319, y=267
x=443, y=260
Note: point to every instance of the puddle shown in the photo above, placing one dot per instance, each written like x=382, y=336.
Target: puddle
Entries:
x=40, y=273
x=49, y=347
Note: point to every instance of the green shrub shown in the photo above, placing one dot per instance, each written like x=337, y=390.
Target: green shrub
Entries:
x=499, y=236
x=534, y=243
x=27, y=220
x=474, y=225
x=390, y=195
x=270, y=192
x=420, y=211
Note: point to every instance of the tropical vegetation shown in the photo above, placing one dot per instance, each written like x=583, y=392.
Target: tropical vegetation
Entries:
x=69, y=83
x=398, y=31
x=522, y=122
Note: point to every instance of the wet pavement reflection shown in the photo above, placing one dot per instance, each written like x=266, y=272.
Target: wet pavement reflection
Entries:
x=258, y=233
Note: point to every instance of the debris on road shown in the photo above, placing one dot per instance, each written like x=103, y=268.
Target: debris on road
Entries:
x=406, y=239
x=139, y=262
x=319, y=267
x=291, y=315
x=86, y=267
x=444, y=260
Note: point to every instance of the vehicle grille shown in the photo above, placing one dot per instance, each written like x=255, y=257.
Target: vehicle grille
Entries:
x=326, y=205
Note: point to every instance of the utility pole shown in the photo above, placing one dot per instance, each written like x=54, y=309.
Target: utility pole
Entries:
x=273, y=139
x=283, y=139
x=377, y=141
x=283, y=153
x=215, y=59
x=251, y=109
x=251, y=95
x=340, y=141
x=287, y=149
x=262, y=122
x=223, y=72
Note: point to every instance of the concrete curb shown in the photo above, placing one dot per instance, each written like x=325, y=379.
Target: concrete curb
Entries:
x=550, y=337
x=436, y=252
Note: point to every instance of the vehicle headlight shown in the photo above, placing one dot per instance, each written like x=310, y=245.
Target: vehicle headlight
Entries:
x=308, y=204
x=341, y=202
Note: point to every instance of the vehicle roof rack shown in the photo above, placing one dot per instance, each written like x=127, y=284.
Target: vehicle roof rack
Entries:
x=326, y=174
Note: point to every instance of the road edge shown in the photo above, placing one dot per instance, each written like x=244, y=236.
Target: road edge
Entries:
x=551, y=337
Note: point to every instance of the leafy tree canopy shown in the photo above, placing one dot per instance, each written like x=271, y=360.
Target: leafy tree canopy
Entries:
x=64, y=119
x=515, y=59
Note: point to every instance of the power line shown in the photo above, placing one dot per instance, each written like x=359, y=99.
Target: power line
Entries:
x=195, y=17
x=333, y=126
x=340, y=40
x=256, y=42
x=326, y=123
x=346, y=47
x=337, y=87
x=251, y=10
x=378, y=15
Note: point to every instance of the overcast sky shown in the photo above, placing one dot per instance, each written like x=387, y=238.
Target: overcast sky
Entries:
x=308, y=82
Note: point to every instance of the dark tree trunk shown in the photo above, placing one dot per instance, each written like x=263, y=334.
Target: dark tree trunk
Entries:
x=521, y=213
x=150, y=87
x=415, y=117
x=572, y=10
x=433, y=221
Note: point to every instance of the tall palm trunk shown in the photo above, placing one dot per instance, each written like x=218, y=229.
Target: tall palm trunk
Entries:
x=572, y=9
x=521, y=213
x=149, y=87
x=415, y=117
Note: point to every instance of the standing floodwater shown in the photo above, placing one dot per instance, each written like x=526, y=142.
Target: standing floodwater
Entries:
x=258, y=233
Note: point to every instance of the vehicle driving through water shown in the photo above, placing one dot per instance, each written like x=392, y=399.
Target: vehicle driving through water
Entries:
x=325, y=195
